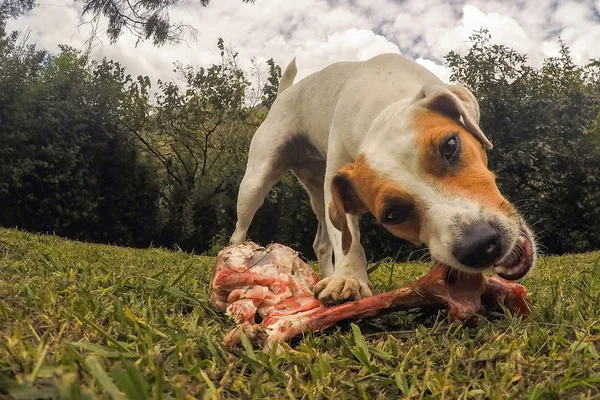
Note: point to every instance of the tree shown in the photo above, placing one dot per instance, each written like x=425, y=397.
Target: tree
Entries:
x=14, y=8
x=197, y=136
x=65, y=166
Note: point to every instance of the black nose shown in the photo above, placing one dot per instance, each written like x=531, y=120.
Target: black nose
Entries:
x=479, y=246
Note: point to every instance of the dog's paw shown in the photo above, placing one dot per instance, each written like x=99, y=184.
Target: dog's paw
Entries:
x=340, y=289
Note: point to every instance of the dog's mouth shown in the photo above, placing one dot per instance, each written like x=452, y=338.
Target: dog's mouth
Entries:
x=520, y=259
x=515, y=265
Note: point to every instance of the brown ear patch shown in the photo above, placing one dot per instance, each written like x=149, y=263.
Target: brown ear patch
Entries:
x=456, y=102
x=470, y=177
x=345, y=191
x=344, y=200
x=357, y=189
x=468, y=99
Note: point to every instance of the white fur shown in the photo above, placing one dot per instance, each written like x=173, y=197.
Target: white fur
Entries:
x=343, y=110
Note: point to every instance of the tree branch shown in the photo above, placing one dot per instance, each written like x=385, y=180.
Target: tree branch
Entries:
x=190, y=177
x=150, y=150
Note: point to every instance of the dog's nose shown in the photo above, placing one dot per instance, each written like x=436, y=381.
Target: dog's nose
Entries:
x=479, y=246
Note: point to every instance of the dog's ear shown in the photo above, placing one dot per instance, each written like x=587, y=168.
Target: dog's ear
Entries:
x=468, y=100
x=456, y=102
x=344, y=200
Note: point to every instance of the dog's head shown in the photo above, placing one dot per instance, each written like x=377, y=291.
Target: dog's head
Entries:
x=423, y=174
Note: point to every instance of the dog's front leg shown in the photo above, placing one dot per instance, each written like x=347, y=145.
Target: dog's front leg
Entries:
x=349, y=280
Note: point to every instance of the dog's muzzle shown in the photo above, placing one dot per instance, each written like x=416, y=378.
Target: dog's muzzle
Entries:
x=520, y=260
x=481, y=245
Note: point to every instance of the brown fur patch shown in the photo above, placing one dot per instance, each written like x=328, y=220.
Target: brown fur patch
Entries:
x=471, y=177
x=358, y=188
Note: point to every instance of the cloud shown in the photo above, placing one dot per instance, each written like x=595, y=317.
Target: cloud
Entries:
x=504, y=29
x=580, y=29
x=439, y=70
x=314, y=54
x=319, y=32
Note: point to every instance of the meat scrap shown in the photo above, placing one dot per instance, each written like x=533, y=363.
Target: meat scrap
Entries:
x=275, y=285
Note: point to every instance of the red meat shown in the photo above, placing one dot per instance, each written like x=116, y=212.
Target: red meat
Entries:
x=276, y=285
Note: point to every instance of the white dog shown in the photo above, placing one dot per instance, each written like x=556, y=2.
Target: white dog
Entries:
x=385, y=136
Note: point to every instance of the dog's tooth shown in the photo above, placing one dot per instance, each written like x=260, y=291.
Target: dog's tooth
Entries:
x=499, y=269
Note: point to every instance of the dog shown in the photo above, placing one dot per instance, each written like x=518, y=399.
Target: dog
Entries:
x=385, y=136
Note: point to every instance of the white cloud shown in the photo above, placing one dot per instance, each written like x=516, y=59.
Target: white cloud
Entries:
x=503, y=29
x=349, y=45
x=50, y=26
x=319, y=32
x=551, y=48
x=580, y=29
x=422, y=29
x=439, y=70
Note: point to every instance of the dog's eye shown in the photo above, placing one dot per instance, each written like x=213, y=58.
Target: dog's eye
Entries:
x=450, y=148
x=396, y=215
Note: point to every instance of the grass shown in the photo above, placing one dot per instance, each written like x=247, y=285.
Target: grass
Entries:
x=93, y=321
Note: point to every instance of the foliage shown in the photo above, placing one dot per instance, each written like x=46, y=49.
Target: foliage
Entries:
x=14, y=8
x=91, y=153
x=541, y=122
x=80, y=320
x=198, y=136
x=146, y=19
x=64, y=164
x=270, y=88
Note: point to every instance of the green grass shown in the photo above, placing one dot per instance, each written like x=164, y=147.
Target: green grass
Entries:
x=91, y=321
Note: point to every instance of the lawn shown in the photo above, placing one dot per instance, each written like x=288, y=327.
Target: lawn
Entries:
x=94, y=321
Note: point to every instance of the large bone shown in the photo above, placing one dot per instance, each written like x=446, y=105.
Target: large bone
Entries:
x=275, y=284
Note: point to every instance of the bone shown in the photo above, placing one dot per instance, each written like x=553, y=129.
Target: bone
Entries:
x=276, y=285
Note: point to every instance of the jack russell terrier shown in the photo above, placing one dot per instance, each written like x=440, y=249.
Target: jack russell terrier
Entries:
x=385, y=136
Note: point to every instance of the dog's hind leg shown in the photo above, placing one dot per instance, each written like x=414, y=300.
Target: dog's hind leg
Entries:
x=256, y=184
x=265, y=168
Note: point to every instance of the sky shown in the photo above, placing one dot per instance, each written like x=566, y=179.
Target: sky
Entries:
x=320, y=32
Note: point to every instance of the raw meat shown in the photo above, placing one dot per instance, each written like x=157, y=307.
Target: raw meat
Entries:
x=274, y=284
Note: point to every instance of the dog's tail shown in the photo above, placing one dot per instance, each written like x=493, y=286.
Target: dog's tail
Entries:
x=287, y=79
